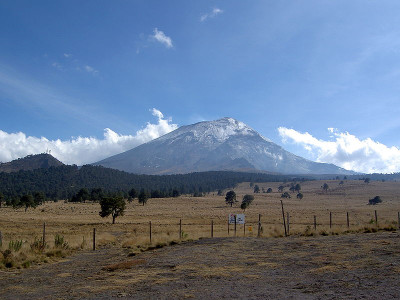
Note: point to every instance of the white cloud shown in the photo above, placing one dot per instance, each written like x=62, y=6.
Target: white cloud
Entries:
x=90, y=69
x=57, y=65
x=82, y=150
x=67, y=55
x=159, y=36
x=215, y=12
x=348, y=151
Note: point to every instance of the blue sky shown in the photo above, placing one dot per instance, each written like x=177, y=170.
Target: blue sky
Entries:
x=286, y=68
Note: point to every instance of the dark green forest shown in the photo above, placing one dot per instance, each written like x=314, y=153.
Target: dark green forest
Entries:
x=64, y=182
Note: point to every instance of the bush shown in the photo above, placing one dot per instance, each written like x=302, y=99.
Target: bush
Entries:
x=38, y=245
x=285, y=195
x=15, y=245
x=59, y=242
x=375, y=200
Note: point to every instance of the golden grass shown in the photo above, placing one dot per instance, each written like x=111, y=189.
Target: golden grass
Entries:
x=75, y=221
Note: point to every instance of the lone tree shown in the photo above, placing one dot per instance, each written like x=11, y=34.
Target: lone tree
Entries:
x=256, y=189
x=285, y=195
x=299, y=196
x=246, y=201
x=280, y=188
x=143, y=197
x=39, y=198
x=27, y=201
x=297, y=188
x=82, y=196
x=132, y=193
x=325, y=187
x=292, y=188
x=175, y=193
x=269, y=190
x=375, y=200
x=230, y=197
x=114, y=206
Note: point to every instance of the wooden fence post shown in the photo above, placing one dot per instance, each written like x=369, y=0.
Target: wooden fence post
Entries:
x=244, y=229
x=150, y=230
x=348, y=220
x=44, y=234
x=398, y=219
x=283, y=216
x=330, y=220
x=376, y=218
x=180, y=229
x=94, y=239
x=212, y=228
x=259, y=226
x=288, y=224
x=235, y=225
x=315, y=222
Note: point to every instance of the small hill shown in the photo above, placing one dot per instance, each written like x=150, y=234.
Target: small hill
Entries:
x=30, y=162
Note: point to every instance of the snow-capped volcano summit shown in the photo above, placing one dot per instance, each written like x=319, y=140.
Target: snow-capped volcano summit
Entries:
x=224, y=144
x=214, y=132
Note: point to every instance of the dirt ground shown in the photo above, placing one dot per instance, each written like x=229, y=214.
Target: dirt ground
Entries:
x=352, y=266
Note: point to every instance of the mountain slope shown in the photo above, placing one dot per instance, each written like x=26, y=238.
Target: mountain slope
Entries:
x=30, y=162
x=224, y=144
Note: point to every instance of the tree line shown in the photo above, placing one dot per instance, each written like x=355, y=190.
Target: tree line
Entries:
x=65, y=182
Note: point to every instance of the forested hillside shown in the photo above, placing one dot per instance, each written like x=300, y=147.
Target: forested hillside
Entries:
x=65, y=181
x=30, y=162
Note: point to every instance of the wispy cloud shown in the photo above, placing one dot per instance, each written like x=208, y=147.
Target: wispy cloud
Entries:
x=347, y=151
x=57, y=66
x=160, y=37
x=82, y=150
x=215, y=12
x=90, y=69
x=31, y=94
x=68, y=64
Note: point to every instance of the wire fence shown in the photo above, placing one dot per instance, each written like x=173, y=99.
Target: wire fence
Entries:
x=284, y=224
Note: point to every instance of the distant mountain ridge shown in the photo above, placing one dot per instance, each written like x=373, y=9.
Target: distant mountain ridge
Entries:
x=225, y=144
x=30, y=162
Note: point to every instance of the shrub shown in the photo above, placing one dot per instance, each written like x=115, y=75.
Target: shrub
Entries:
x=15, y=245
x=285, y=195
x=375, y=200
x=38, y=245
x=26, y=264
x=59, y=242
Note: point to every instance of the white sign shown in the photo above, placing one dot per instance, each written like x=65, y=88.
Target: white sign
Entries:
x=240, y=219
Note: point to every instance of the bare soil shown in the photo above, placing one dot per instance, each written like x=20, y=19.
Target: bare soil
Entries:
x=352, y=266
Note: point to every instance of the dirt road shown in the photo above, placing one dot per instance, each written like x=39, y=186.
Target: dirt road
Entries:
x=362, y=266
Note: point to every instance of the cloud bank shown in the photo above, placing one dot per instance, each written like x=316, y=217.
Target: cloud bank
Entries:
x=215, y=12
x=347, y=151
x=82, y=150
x=160, y=37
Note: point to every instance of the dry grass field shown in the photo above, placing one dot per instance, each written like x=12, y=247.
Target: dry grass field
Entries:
x=75, y=221
x=117, y=244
